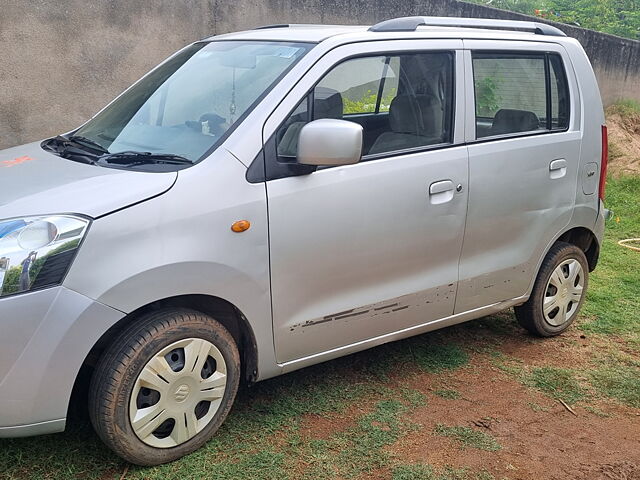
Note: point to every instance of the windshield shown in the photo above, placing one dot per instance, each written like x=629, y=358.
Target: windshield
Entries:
x=184, y=107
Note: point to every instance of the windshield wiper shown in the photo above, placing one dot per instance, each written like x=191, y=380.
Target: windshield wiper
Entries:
x=140, y=158
x=75, y=148
x=78, y=154
x=61, y=143
x=87, y=142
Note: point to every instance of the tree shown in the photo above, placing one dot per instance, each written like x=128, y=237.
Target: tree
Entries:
x=617, y=17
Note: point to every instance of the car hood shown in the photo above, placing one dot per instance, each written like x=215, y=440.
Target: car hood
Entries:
x=36, y=182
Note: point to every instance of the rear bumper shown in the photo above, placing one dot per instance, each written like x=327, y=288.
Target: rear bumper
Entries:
x=45, y=337
x=593, y=254
x=603, y=215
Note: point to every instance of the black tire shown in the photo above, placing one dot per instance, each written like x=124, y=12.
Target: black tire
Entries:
x=117, y=371
x=530, y=314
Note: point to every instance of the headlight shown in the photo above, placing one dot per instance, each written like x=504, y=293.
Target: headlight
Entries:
x=36, y=252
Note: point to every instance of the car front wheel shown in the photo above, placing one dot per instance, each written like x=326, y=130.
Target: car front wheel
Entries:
x=164, y=386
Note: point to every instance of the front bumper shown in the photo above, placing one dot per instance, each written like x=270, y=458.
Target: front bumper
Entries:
x=45, y=337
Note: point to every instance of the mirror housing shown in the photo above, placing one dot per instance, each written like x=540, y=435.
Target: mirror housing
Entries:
x=330, y=142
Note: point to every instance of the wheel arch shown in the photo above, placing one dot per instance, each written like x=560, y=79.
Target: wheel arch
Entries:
x=585, y=240
x=580, y=236
x=222, y=310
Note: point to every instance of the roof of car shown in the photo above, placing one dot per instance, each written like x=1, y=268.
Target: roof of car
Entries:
x=401, y=28
x=293, y=33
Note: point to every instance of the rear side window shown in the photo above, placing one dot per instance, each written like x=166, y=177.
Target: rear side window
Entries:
x=519, y=93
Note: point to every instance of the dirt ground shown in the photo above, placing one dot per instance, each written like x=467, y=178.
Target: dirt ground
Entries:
x=624, y=144
x=540, y=438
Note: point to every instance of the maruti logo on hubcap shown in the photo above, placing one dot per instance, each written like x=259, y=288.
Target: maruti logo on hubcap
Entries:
x=181, y=393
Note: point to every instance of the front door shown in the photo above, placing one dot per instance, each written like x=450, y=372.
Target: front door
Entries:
x=363, y=250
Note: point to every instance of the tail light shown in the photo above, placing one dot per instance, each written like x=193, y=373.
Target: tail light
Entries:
x=603, y=162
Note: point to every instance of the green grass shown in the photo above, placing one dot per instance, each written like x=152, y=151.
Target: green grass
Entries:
x=417, y=471
x=367, y=102
x=359, y=449
x=421, y=471
x=596, y=411
x=449, y=394
x=558, y=383
x=265, y=465
x=613, y=300
x=434, y=358
x=625, y=108
x=413, y=398
x=537, y=407
x=468, y=437
x=619, y=382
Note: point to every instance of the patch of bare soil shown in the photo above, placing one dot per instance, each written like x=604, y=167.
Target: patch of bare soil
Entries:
x=322, y=427
x=536, y=444
x=624, y=144
x=540, y=439
x=573, y=349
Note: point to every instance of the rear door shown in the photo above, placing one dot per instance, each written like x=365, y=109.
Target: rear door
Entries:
x=523, y=131
x=364, y=250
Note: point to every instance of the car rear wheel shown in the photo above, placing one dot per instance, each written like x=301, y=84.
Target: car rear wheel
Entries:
x=164, y=386
x=558, y=293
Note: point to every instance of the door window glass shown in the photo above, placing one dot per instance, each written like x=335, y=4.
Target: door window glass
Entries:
x=402, y=101
x=358, y=81
x=519, y=93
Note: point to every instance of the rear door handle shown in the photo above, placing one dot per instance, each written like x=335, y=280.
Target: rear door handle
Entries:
x=558, y=168
x=441, y=192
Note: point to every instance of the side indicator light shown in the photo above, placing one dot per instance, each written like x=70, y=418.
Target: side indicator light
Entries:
x=240, y=226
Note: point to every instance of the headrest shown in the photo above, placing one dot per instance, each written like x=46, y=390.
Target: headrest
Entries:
x=327, y=103
x=415, y=114
x=512, y=121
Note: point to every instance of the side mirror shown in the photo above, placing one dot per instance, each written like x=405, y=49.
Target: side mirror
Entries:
x=330, y=142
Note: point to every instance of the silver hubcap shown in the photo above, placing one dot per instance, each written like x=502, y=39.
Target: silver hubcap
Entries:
x=563, y=293
x=177, y=393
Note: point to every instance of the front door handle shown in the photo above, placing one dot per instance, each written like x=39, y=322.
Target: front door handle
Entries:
x=441, y=192
x=558, y=168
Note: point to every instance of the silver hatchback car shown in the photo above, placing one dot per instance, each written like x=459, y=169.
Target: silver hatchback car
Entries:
x=270, y=199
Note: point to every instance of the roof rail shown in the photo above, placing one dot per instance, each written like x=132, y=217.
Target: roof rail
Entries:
x=275, y=25
x=410, y=24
